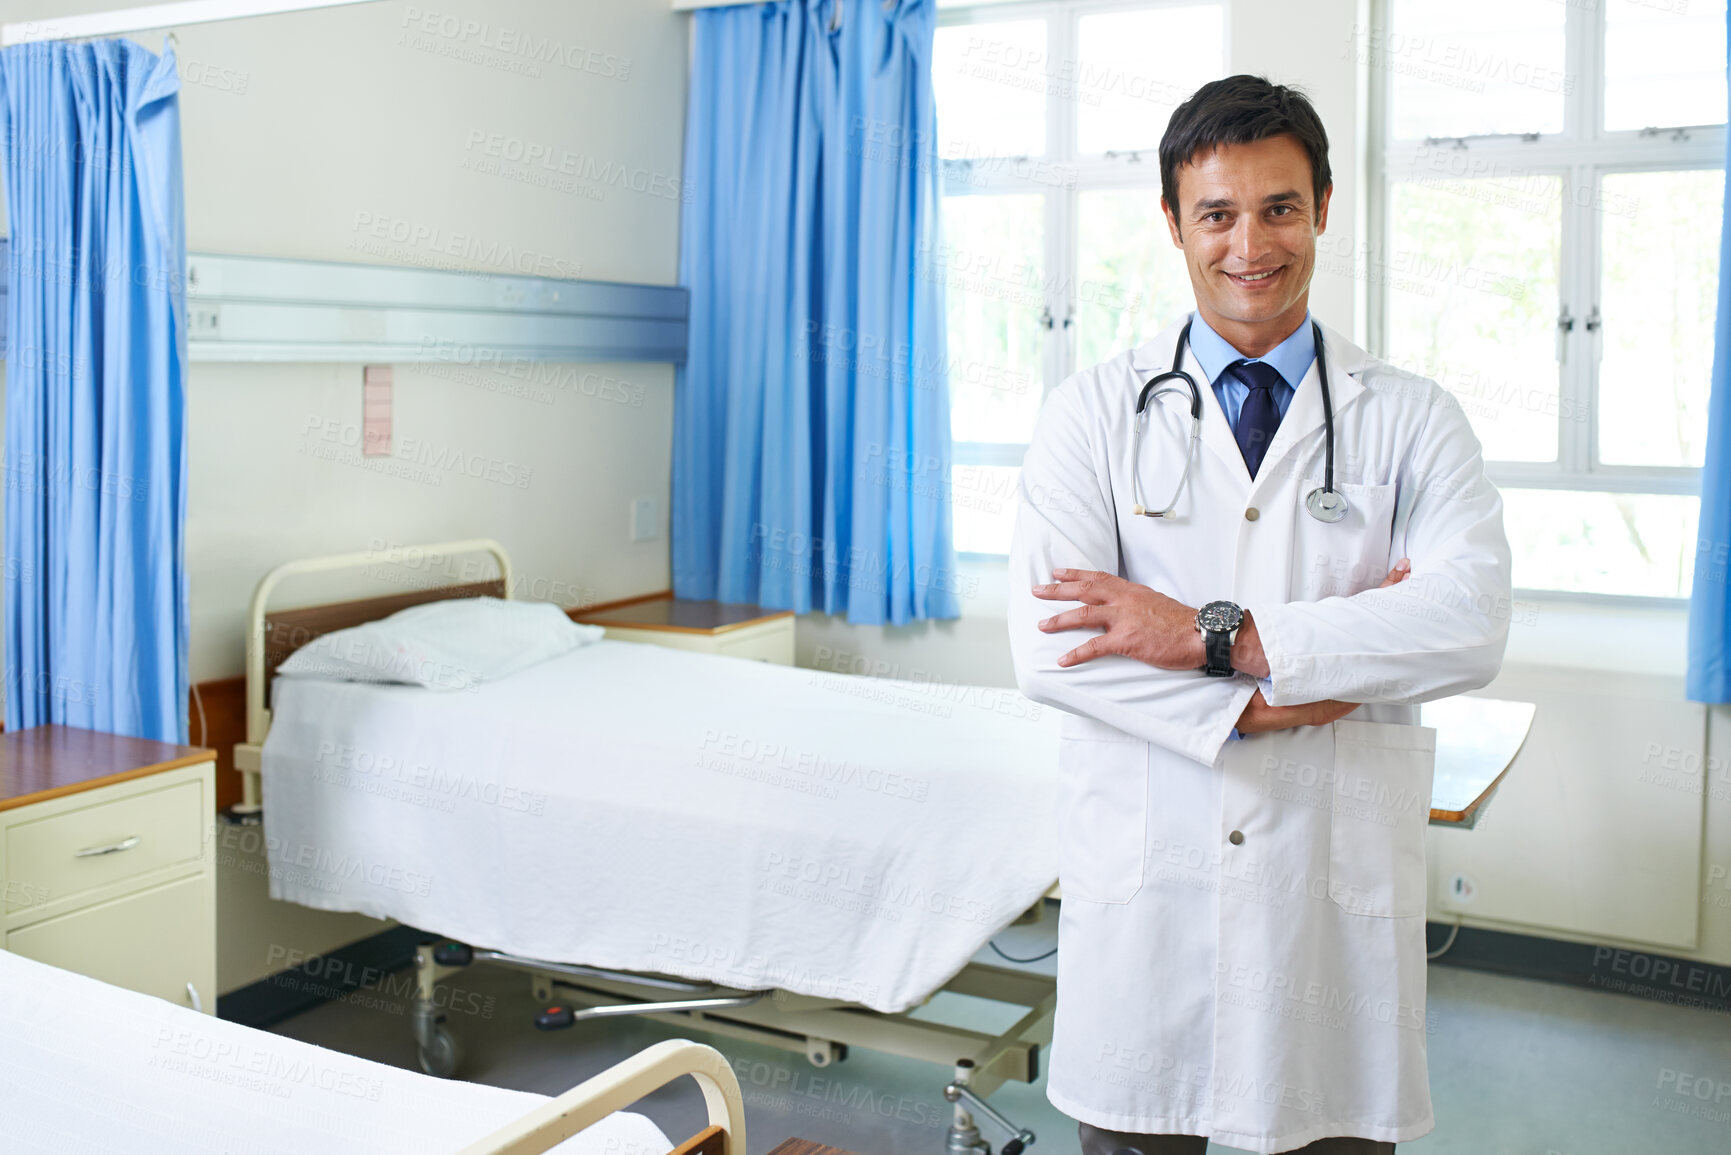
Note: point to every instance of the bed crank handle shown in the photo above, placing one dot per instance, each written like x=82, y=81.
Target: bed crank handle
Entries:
x=959, y=1092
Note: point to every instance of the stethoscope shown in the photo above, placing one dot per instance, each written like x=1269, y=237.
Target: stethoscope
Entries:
x=1324, y=504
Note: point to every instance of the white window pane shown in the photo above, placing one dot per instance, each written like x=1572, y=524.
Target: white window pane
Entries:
x=1471, y=279
x=1472, y=66
x=1130, y=277
x=1664, y=63
x=1659, y=293
x=992, y=263
x=1607, y=543
x=1126, y=88
x=989, y=83
x=983, y=507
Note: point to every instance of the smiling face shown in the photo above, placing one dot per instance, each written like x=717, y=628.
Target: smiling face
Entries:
x=1247, y=221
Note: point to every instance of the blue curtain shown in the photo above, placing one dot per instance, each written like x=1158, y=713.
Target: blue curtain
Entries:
x=95, y=466
x=1710, y=603
x=811, y=425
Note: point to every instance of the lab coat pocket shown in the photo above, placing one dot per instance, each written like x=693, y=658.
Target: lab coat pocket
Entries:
x=1381, y=806
x=1103, y=808
x=1339, y=559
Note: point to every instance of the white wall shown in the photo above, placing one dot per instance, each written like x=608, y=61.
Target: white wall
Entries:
x=362, y=134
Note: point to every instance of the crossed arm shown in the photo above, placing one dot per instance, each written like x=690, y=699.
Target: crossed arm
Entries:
x=1146, y=625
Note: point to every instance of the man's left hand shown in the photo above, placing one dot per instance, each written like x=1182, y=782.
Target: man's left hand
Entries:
x=1139, y=622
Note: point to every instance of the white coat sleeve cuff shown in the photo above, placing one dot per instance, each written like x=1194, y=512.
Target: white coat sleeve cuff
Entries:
x=1289, y=681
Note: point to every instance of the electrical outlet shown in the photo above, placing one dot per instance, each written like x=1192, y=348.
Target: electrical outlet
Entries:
x=644, y=525
x=1462, y=890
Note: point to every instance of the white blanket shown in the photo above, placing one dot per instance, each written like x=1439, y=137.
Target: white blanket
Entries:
x=648, y=809
x=86, y=1067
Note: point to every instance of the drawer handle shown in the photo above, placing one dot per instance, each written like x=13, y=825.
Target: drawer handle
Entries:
x=111, y=848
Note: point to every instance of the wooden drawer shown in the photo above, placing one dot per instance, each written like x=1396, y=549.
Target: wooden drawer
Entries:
x=61, y=856
x=156, y=942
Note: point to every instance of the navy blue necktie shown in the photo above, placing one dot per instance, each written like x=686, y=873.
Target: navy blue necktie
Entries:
x=1259, y=416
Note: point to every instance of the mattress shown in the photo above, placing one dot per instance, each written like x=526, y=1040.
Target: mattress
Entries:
x=89, y=1067
x=649, y=809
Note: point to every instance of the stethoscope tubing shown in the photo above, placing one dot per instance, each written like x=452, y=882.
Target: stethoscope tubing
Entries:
x=1324, y=504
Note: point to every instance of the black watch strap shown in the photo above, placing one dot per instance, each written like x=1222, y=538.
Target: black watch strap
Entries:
x=1218, y=646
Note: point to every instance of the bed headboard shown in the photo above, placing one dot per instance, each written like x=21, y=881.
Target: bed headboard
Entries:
x=286, y=631
x=272, y=637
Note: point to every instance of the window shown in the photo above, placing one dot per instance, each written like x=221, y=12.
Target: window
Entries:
x=1546, y=222
x=1055, y=252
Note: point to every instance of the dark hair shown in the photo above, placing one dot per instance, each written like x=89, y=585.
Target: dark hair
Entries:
x=1241, y=110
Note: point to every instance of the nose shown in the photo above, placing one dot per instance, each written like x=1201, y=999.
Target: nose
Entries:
x=1250, y=239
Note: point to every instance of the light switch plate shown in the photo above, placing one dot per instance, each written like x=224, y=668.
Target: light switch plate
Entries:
x=644, y=525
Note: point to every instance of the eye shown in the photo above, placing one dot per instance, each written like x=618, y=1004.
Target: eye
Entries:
x=1215, y=217
x=1281, y=210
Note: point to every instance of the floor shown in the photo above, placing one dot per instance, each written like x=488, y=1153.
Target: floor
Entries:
x=1518, y=1067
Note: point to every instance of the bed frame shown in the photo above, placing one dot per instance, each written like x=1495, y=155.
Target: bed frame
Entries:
x=820, y=1029
x=619, y=1087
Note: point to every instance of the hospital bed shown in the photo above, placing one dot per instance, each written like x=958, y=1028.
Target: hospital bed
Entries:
x=758, y=851
x=91, y=1067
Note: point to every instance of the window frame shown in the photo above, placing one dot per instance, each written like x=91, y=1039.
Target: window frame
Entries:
x=1069, y=175
x=1583, y=153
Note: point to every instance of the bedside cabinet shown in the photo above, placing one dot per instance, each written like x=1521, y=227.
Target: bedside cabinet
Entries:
x=107, y=862
x=737, y=631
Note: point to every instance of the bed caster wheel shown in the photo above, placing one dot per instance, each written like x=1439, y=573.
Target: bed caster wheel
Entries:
x=822, y=1052
x=441, y=1057
x=541, y=990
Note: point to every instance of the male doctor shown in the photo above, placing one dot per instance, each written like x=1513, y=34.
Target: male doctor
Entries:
x=1245, y=787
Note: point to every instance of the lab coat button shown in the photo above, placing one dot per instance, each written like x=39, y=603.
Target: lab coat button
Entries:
x=1236, y=838
x=1251, y=514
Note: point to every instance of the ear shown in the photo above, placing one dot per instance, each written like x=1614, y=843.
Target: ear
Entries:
x=1172, y=225
x=1322, y=209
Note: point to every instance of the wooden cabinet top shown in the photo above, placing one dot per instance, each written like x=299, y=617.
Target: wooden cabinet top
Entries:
x=806, y=1147
x=663, y=612
x=48, y=761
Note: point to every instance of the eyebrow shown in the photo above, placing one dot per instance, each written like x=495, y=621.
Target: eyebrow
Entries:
x=1214, y=203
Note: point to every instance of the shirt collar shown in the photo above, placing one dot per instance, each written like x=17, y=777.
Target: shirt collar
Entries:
x=1291, y=358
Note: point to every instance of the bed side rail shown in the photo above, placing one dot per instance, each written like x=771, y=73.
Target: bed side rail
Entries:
x=622, y=1085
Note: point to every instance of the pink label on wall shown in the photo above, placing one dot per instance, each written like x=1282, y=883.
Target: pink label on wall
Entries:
x=376, y=411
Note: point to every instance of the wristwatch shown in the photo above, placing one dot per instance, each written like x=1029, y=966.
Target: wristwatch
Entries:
x=1218, y=624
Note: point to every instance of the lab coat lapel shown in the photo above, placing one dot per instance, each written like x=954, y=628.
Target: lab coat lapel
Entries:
x=1154, y=357
x=1304, y=415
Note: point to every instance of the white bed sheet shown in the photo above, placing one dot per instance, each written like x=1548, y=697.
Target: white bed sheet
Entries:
x=648, y=809
x=86, y=1067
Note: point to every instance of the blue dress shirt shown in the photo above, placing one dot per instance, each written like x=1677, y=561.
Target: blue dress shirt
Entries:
x=1291, y=359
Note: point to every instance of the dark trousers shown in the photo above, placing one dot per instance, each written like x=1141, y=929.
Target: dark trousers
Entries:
x=1098, y=1142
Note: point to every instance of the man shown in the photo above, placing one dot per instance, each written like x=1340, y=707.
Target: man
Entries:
x=1245, y=790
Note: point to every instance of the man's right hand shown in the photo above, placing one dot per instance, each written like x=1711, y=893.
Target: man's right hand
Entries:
x=1259, y=717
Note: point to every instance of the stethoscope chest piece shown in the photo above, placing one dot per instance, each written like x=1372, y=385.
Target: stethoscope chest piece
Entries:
x=1325, y=505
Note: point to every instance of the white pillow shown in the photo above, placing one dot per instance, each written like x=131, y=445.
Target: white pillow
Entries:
x=456, y=644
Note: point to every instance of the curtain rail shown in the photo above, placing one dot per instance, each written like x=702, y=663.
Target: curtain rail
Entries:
x=153, y=16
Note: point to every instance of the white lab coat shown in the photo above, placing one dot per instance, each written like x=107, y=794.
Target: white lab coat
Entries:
x=1267, y=992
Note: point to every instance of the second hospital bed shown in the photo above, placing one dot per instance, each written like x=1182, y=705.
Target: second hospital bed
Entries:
x=775, y=853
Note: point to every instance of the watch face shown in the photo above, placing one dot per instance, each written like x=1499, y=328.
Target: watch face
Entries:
x=1223, y=616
